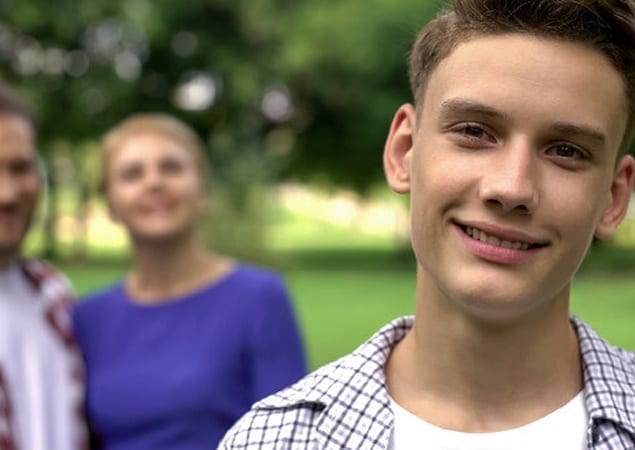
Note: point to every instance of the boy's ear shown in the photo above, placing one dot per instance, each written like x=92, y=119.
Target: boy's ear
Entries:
x=619, y=198
x=397, y=150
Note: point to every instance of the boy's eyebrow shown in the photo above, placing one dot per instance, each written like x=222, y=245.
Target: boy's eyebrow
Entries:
x=461, y=105
x=590, y=134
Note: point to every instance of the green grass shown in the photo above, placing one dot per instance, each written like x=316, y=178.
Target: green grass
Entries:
x=338, y=310
x=89, y=277
x=607, y=303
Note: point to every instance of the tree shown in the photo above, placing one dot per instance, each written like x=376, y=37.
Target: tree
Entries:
x=345, y=64
x=278, y=88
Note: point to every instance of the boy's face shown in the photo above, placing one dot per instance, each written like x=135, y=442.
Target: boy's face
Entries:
x=19, y=184
x=511, y=170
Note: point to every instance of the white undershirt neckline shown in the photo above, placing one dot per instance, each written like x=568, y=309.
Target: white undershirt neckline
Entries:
x=562, y=429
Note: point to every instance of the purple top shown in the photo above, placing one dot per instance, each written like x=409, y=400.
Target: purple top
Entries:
x=178, y=374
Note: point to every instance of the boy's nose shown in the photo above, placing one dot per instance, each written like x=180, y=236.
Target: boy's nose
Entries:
x=511, y=183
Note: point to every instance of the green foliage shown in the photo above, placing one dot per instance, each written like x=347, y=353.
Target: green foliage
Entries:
x=345, y=63
x=237, y=226
x=333, y=72
x=87, y=65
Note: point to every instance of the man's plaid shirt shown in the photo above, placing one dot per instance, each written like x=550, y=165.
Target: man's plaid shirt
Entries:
x=345, y=404
x=58, y=422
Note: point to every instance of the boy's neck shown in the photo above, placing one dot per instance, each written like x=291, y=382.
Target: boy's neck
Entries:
x=463, y=373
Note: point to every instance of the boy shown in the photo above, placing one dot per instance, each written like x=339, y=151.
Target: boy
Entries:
x=40, y=369
x=514, y=157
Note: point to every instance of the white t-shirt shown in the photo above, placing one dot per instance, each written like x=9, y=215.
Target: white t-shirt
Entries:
x=37, y=370
x=563, y=429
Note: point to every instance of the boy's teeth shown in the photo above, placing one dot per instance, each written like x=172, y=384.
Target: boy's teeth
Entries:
x=507, y=244
x=493, y=240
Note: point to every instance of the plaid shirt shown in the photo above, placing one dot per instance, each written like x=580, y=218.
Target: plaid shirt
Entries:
x=53, y=290
x=345, y=404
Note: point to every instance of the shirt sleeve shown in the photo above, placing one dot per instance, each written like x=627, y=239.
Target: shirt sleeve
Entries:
x=277, y=356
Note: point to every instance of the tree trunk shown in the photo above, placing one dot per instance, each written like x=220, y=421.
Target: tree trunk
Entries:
x=50, y=247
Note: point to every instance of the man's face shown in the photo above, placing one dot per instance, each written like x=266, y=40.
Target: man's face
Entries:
x=511, y=170
x=19, y=183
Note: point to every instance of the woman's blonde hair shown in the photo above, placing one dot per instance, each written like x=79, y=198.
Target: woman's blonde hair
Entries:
x=154, y=123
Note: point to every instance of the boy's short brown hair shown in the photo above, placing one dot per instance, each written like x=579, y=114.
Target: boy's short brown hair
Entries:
x=605, y=25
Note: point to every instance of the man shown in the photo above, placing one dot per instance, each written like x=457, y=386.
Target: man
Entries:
x=40, y=370
x=514, y=157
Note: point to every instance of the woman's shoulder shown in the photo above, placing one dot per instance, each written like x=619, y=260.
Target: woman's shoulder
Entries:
x=258, y=274
x=252, y=278
x=99, y=299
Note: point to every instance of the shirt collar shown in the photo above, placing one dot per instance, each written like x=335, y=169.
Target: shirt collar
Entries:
x=609, y=378
x=35, y=271
x=335, y=389
x=334, y=379
x=353, y=386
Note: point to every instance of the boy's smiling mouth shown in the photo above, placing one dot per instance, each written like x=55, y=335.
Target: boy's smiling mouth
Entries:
x=500, y=239
x=482, y=236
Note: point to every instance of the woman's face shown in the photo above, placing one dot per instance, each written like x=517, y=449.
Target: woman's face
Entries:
x=154, y=188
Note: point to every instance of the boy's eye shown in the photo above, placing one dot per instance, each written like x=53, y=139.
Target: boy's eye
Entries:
x=473, y=133
x=566, y=151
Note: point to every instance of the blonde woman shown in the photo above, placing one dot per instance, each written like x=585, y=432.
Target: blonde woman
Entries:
x=182, y=346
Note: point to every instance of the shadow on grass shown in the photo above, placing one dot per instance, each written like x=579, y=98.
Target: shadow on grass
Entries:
x=602, y=259
x=338, y=259
x=609, y=260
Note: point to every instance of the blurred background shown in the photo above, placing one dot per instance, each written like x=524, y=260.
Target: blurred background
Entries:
x=294, y=99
